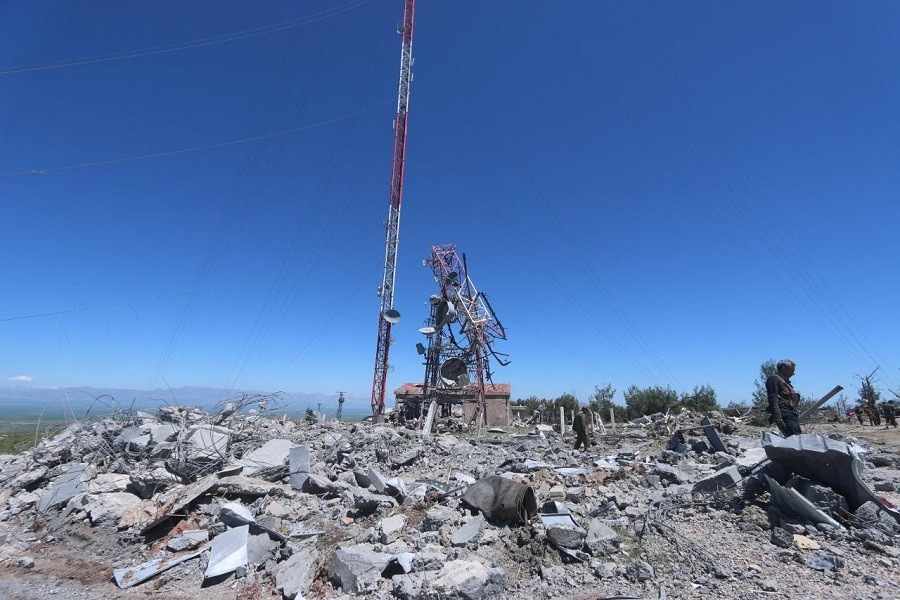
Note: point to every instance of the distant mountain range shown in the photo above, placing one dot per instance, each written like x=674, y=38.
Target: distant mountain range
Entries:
x=31, y=401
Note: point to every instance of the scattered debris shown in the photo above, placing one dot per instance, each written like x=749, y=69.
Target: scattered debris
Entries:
x=322, y=509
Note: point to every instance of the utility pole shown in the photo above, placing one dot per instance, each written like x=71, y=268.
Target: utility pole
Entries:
x=387, y=316
x=340, y=405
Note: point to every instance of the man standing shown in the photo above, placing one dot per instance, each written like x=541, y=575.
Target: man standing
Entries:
x=890, y=414
x=579, y=426
x=784, y=402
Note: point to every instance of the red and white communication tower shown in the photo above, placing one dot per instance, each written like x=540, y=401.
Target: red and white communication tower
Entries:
x=387, y=316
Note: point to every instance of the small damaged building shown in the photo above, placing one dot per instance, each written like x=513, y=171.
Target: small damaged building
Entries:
x=409, y=397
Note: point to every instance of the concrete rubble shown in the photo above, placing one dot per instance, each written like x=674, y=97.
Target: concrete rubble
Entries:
x=675, y=506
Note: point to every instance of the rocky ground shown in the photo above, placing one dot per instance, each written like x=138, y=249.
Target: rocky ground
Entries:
x=268, y=508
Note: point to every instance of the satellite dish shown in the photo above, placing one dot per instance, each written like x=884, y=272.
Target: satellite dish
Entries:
x=420, y=348
x=452, y=277
x=454, y=373
x=427, y=330
x=392, y=316
x=435, y=300
x=444, y=314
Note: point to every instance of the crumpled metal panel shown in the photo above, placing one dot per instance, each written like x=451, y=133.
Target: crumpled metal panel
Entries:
x=130, y=576
x=797, y=503
x=229, y=551
x=830, y=462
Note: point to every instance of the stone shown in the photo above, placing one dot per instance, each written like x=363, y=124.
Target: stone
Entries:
x=601, y=540
x=639, y=570
x=781, y=538
x=721, y=479
x=822, y=561
x=884, y=486
x=604, y=570
x=25, y=562
x=390, y=528
x=566, y=537
x=468, y=532
x=64, y=488
x=767, y=585
x=873, y=516
x=295, y=576
x=670, y=474
x=274, y=453
x=259, y=547
x=357, y=568
x=469, y=580
x=751, y=459
x=109, y=507
x=108, y=482
x=188, y=540
x=436, y=516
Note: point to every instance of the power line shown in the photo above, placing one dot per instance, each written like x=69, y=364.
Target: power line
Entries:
x=98, y=307
x=207, y=41
x=103, y=163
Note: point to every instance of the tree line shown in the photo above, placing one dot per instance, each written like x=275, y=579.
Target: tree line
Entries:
x=638, y=402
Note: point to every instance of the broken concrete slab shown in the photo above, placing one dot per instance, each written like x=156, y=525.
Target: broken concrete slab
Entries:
x=720, y=480
x=712, y=435
x=64, y=488
x=601, y=540
x=131, y=576
x=168, y=503
x=468, y=579
x=389, y=529
x=104, y=508
x=356, y=568
x=274, y=453
x=468, y=532
x=188, y=540
x=295, y=576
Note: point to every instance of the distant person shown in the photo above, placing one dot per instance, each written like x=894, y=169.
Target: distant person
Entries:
x=890, y=414
x=579, y=426
x=859, y=413
x=784, y=401
x=850, y=415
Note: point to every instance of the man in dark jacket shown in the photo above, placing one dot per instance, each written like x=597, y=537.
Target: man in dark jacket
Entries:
x=784, y=401
x=579, y=426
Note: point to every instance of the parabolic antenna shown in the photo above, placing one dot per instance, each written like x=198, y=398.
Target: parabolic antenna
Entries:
x=427, y=330
x=454, y=372
x=444, y=314
x=392, y=316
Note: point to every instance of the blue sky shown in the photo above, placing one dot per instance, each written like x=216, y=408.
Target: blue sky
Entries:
x=651, y=193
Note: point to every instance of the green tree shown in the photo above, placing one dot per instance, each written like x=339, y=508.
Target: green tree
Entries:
x=566, y=401
x=601, y=401
x=702, y=399
x=310, y=415
x=760, y=397
x=531, y=403
x=649, y=400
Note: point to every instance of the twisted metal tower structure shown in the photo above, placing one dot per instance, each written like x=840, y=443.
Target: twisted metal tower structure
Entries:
x=387, y=316
x=452, y=368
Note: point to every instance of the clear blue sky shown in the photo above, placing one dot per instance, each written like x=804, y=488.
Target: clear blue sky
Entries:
x=650, y=193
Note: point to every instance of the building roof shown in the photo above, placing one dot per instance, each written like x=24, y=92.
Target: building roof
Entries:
x=490, y=389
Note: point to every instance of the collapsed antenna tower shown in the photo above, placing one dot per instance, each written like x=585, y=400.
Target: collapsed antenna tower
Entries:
x=387, y=316
x=456, y=367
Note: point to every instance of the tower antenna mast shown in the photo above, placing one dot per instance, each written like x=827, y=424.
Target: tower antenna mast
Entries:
x=387, y=316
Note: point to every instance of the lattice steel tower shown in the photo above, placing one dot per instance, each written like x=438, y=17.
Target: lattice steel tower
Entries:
x=387, y=316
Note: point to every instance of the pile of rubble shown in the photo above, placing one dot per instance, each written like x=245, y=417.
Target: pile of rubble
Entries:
x=240, y=501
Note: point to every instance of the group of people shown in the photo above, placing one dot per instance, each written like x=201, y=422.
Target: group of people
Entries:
x=784, y=407
x=888, y=411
